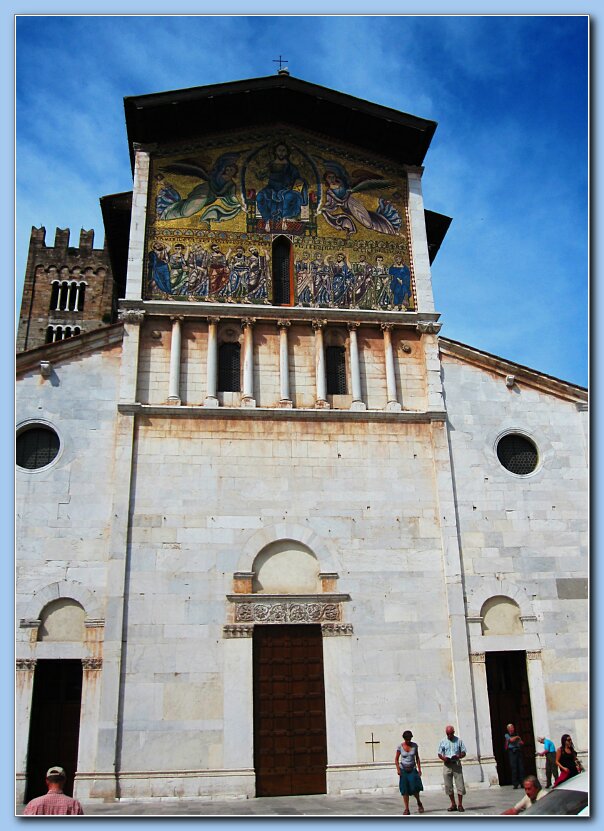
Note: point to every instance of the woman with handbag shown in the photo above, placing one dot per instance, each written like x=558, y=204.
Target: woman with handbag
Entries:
x=409, y=769
x=566, y=759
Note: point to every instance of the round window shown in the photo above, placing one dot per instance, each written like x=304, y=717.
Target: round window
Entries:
x=37, y=447
x=517, y=454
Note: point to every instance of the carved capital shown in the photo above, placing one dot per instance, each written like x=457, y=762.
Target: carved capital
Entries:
x=317, y=324
x=336, y=629
x=92, y=663
x=135, y=316
x=477, y=657
x=247, y=321
x=25, y=664
x=353, y=324
x=29, y=623
x=386, y=327
x=428, y=327
x=175, y=318
x=237, y=631
x=94, y=623
x=213, y=321
x=284, y=323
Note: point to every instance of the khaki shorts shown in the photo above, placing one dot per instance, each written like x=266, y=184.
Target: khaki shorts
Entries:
x=453, y=773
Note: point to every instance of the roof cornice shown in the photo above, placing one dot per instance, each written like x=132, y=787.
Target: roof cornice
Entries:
x=522, y=374
x=101, y=338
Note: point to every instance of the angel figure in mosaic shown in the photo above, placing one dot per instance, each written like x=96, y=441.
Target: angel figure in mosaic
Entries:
x=342, y=209
x=214, y=198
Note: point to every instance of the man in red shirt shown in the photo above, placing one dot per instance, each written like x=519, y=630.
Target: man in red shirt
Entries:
x=55, y=801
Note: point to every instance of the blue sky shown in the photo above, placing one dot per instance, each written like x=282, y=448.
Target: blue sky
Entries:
x=508, y=162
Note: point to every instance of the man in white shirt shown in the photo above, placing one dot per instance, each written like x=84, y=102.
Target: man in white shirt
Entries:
x=532, y=792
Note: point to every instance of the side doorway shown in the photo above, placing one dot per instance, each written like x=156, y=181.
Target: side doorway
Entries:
x=290, y=737
x=510, y=702
x=54, y=725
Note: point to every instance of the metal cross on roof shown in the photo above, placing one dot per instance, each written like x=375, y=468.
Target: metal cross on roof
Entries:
x=280, y=61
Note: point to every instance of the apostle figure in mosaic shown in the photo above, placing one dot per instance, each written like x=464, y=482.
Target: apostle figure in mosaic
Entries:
x=342, y=282
x=159, y=270
x=178, y=269
x=342, y=209
x=321, y=276
x=215, y=198
x=218, y=270
x=400, y=284
x=198, y=271
x=257, y=291
x=304, y=280
x=239, y=273
x=382, y=284
x=285, y=192
x=363, y=281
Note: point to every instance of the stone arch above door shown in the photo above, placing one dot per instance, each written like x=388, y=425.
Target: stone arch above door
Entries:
x=323, y=550
x=305, y=593
x=69, y=590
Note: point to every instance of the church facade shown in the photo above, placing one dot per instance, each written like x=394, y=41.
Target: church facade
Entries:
x=268, y=518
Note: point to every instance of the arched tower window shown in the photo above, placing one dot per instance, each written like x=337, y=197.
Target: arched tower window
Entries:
x=229, y=367
x=283, y=291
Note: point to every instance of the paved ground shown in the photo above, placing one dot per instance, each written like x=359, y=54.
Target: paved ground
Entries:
x=477, y=802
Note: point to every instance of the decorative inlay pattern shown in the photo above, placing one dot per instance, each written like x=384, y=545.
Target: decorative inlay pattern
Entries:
x=287, y=612
x=534, y=655
x=477, y=657
x=26, y=664
x=92, y=663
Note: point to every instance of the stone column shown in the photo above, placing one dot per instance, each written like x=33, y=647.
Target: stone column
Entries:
x=484, y=739
x=339, y=710
x=238, y=707
x=24, y=684
x=89, y=724
x=247, y=397
x=463, y=705
x=434, y=388
x=534, y=666
x=138, y=218
x=355, y=369
x=105, y=785
x=284, y=397
x=211, y=399
x=392, y=404
x=321, y=381
x=174, y=383
x=420, y=256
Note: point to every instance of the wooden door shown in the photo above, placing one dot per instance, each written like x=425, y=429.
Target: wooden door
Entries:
x=290, y=742
x=509, y=702
x=54, y=725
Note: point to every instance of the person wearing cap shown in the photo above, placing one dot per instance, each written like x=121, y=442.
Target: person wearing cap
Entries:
x=549, y=751
x=55, y=801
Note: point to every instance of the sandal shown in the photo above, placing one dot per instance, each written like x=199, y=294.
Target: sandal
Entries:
x=406, y=812
x=461, y=808
x=420, y=808
x=452, y=808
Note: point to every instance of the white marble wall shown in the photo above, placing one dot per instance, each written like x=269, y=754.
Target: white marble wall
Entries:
x=519, y=535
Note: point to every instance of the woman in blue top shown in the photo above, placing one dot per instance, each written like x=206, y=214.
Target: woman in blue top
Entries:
x=409, y=769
